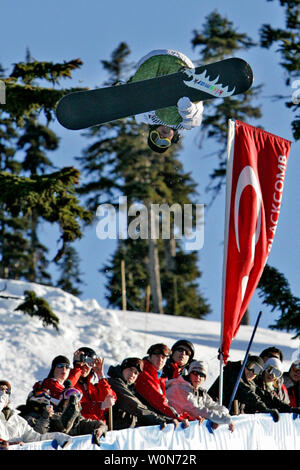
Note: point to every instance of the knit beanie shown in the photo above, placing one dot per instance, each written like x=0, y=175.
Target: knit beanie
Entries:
x=132, y=362
x=199, y=366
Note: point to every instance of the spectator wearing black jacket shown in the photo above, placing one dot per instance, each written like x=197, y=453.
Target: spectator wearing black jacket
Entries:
x=266, y=390
x=129, y=411
x=248, y=401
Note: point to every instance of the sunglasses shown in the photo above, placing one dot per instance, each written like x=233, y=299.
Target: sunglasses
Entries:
x=158, y=141
x=181, y=350
x=62, y=365
x=198, y=373
x=274, y=372
x=255, y=369
x=4, y=389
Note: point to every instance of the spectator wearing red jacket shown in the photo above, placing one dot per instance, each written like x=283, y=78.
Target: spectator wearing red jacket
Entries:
x=151, y=387
x=59, y=373
x=97, y=396
x=292, y=382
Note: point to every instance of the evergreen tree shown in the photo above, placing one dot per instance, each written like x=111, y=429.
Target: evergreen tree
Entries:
x=217, y=40
x=275, y=290
x=13, y=243
x=118, y=163
x=288, y=40
x=42, y=195
x=70, y=274
x=35, y=306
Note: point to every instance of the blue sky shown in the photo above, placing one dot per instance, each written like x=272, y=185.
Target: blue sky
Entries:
x=65, y=30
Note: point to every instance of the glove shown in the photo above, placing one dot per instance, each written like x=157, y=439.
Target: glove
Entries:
x=62, y=440
x=184, y=105
x=209, y=426
x=191, y=113
x=295, y=411
x=275, y=414
x=97, y=433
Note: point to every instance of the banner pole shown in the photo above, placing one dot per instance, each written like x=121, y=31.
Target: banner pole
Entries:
x=221, y=380
x=244, y=362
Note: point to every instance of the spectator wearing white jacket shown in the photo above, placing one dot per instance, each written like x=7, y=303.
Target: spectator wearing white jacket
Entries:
x=15, y=429
x=186, y=395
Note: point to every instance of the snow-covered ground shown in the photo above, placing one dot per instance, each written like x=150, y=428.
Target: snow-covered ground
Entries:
x=27, y=348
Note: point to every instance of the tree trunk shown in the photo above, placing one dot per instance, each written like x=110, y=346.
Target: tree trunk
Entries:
x=246, y=318
x=154, y=269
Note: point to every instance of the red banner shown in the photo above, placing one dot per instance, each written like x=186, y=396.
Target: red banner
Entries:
x=256, y=167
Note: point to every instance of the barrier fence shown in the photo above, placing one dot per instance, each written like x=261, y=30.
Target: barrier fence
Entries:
x=252, y=432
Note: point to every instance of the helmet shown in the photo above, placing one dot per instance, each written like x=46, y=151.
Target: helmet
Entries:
x=187, y=344
x=158, y=144
x=274, y=366
x=88, y=355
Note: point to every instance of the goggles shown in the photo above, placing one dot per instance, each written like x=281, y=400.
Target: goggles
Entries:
x=160, y=352
x=72, y=391
x=181, y=350
x=255, y=369
x=42, y=394
x=5, y=389
x=274, y=372
x=296, y=364
x=161, y=142
x=61, y=365
x=198, y=373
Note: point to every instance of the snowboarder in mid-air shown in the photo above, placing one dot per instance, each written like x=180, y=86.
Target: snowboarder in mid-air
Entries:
x=165, y=124
x=166, y=92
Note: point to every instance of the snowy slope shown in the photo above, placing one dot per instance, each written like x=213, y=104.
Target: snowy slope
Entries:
x=27, y=348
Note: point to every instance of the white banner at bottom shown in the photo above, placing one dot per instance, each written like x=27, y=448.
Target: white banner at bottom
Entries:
x=252, y=432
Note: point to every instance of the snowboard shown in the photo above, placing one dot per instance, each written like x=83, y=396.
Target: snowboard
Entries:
x=83, y=109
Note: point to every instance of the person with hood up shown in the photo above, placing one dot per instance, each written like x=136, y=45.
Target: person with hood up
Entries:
x=181, y=357
x=186, y=395
x=88, y=377
x=165, y=124
x=129, y=411
x=151, y=387
x=56, y=378
x=273, y=370
x=15, y=429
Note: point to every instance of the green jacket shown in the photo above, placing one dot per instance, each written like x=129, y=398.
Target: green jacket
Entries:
x=158, y=63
